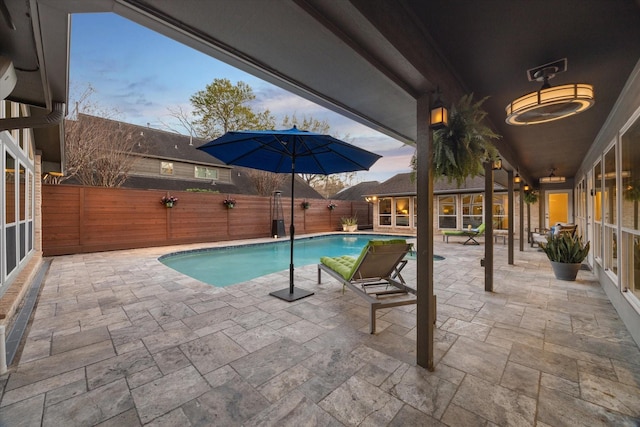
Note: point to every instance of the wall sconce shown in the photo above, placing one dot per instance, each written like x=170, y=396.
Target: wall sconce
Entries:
x=439, y=114
x=371, y=199
x=496, y=164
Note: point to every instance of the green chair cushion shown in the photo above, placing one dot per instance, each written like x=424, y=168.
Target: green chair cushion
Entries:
x=343, y=265
x=346, y=265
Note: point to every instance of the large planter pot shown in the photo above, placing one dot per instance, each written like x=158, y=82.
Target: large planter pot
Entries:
x=350, y=228
x=565, y=271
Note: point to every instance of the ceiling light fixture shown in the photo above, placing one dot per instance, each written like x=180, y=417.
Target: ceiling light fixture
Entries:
x=549, y=103
x=552, y=178
x=517, y=179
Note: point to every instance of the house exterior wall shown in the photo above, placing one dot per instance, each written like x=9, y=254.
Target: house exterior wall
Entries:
x=151, y=167
x=19, y=182
x=411, y=228
x=612, y=243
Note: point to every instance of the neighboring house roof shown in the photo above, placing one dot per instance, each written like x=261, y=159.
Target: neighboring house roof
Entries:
x=402, y=185
x=160, y=143
x=169, y=146
x=356, y=192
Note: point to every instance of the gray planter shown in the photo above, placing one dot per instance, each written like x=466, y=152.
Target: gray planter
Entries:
x=565, y=271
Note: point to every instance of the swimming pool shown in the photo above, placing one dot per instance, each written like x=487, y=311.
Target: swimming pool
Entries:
x=229, y=265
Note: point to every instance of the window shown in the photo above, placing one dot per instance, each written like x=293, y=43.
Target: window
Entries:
x=500, y=211
x=384, y=211
x=597, y=211
x=447, y=212
x=402, y=212
x=610, y=211
x=166, y=168
x=471, y=210
x=206, y=173
x=630, y=213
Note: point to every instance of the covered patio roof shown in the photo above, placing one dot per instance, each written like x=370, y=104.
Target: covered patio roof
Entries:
x=371, y=59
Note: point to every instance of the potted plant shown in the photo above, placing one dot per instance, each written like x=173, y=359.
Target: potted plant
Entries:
x=305, y=205
x=229, y=203
x=349, y=223
x=566, y=253
x=169, y=200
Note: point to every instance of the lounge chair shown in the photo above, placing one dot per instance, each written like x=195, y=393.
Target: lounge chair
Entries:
x=540, y=235
x=374, y=275
x=470, y=234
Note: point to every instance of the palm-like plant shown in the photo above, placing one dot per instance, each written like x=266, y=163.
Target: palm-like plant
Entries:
x=460, y=149
x=565, y=248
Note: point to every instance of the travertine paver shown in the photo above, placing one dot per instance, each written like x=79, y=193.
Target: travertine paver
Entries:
x=118, y=339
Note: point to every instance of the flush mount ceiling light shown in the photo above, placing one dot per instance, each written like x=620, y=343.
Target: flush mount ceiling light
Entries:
x=552, y=178
x=549, y=103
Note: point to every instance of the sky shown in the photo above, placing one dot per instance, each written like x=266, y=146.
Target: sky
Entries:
x=142, y=74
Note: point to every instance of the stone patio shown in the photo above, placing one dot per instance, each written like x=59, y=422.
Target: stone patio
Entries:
x=118, y=339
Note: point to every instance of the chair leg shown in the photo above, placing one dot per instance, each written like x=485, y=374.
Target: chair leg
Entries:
x=472, y=240
x=372, y=320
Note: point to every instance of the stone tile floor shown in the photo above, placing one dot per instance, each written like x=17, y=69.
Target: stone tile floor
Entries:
x=118, y=339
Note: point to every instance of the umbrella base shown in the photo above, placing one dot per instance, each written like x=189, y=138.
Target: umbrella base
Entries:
x=297, y=294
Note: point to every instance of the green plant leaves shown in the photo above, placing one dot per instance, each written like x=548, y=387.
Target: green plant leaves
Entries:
x=460, y=149
x=565, y=248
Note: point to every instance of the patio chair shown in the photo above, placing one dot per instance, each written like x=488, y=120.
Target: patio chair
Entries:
x=470, y=234
x=540, y=235
x=374, y=275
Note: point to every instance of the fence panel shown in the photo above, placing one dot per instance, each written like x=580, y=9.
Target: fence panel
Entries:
x=77, y=219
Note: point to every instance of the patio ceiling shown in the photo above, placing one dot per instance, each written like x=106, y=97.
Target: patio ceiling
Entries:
x=370, y=59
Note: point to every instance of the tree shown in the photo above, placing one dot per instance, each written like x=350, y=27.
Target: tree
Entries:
x=223, y=107
x=265, y=182
x=97, y=149
x=327, y=185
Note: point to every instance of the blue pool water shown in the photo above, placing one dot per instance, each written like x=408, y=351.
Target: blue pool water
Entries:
x=226, y=266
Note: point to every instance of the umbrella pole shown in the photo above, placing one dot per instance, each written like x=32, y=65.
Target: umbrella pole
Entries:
x=292, y=294
x=292, y=228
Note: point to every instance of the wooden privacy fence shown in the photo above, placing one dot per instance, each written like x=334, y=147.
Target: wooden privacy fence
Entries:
x=77, y=219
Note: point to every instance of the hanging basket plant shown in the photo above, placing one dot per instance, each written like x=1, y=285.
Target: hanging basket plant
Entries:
x=168, y=200
x=461, y=148
x=229, y=203
x=530, y=197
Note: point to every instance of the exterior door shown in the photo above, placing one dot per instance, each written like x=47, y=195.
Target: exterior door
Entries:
x=558, y=207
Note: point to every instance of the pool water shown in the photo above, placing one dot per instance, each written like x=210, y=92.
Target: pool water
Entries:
x=229, y=265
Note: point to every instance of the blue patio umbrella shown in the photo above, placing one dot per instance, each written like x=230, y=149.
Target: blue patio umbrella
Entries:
x=289, y=151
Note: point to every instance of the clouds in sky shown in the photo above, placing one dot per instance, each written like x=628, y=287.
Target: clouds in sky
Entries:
x=141, y=74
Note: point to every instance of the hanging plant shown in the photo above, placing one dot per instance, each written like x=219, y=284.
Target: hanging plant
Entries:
x=461, y=148
x=305, y=205
x=530, y=197
x=169, y=200
x=229, y=202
